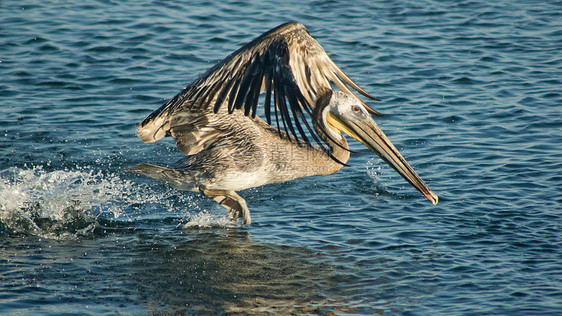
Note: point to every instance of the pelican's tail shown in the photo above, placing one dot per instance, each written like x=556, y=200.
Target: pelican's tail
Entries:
x=175, y=177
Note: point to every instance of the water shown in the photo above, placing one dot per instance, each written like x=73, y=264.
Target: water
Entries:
x=472, y=96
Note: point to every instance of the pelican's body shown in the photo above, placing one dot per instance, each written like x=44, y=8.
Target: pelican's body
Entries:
x=229, y=150
x=246, y=153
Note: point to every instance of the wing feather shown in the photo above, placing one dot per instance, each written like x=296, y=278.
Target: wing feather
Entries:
x=286, y=63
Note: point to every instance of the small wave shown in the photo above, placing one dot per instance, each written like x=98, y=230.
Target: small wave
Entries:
x=60, y=203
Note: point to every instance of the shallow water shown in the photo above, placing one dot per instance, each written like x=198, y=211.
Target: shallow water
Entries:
x=472, y=96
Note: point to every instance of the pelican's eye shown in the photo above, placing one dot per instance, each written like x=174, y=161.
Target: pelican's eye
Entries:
x=356, y=109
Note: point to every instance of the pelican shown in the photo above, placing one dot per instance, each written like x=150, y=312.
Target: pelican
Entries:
x=229, y=148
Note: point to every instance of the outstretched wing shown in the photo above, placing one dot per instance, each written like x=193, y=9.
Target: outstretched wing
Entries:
x=286, y=62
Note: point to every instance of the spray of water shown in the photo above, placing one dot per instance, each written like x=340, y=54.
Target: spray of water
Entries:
x=65, y=204
x=58, y=203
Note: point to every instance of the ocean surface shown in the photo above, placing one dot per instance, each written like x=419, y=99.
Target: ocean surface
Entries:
x=472, y=92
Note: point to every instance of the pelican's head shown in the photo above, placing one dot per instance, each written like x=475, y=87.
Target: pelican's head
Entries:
x=345, y=113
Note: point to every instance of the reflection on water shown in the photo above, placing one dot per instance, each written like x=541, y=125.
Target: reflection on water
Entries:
x=225, y=270
x=181, y=271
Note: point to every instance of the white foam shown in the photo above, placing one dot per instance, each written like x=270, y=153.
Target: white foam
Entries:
x=206, y=219
x=58, y=199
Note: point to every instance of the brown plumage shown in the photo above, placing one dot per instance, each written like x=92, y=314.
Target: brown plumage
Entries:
x=229, y=148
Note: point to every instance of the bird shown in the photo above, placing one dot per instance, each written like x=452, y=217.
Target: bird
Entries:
x=228, y=148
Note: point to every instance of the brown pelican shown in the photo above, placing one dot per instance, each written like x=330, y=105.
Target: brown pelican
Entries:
x=229, y=148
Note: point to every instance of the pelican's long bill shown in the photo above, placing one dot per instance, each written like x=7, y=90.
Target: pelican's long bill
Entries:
x=363, y=128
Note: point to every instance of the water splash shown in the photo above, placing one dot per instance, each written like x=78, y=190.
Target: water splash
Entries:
x=206, y=219
x=60, y=203
x=376, y=171
x=66, y=204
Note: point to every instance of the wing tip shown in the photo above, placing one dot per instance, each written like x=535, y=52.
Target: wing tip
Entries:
x=370, y=109
x=373, y=111
x=291, y=25
x=284, y=28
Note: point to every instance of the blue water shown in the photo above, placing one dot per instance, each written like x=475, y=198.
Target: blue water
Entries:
x=472, y=92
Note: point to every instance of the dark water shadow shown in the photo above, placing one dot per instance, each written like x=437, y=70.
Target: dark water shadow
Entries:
x=218, y=271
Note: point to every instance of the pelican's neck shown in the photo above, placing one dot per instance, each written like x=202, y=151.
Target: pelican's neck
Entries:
x=338, y=149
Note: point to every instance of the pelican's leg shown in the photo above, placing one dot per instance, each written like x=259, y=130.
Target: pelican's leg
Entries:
x=233, y=207
x=230, y=200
